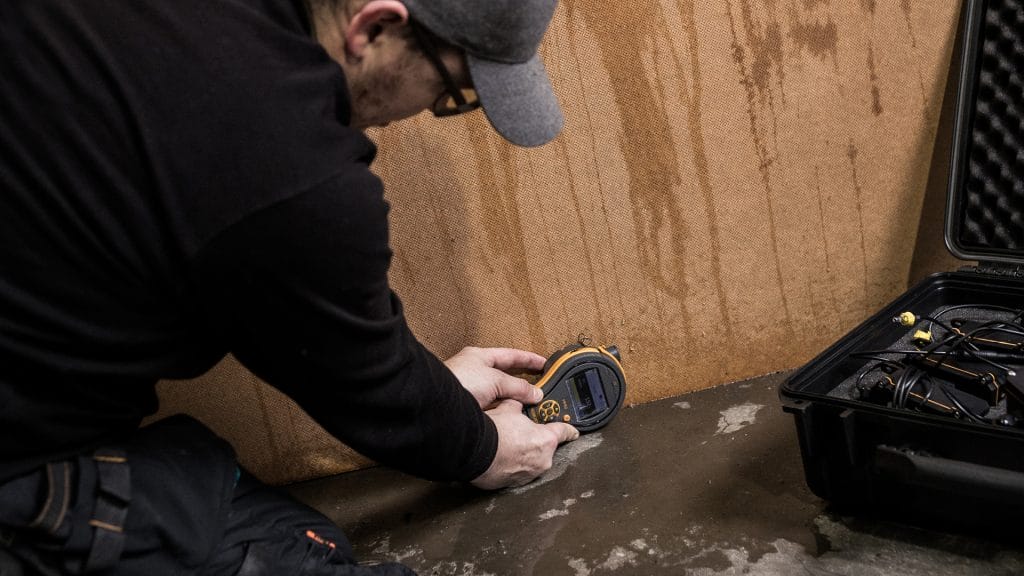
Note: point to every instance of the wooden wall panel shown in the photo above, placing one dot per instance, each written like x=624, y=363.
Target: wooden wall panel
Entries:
x=738, y=183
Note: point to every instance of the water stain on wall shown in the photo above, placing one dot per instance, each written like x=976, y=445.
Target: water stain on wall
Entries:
x=907, y=9
x=765, y=43
x=820, y=38
x=653, y=168
x=695, y=122
x=764, y=38
x=592, y=275
x=876, y=95
x=499, y=190
x=825, y=244
x=851, y=155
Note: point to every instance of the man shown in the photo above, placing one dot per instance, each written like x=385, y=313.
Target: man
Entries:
x=183, y=179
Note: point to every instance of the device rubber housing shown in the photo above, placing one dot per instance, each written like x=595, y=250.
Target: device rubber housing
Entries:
x=583, y=386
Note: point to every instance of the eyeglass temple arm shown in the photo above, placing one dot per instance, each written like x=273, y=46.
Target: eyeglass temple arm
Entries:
x=430, y=50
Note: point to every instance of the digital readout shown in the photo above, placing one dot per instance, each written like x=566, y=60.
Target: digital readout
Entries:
x=588, y=394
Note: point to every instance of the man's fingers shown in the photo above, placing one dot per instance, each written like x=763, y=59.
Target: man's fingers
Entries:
x=565, y=432
x=508, y=405
x=518, y=389
x=506, y=359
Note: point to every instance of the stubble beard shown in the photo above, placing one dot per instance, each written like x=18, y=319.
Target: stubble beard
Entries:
x=377, y=98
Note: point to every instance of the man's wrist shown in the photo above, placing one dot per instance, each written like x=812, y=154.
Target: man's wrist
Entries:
x=483, y=455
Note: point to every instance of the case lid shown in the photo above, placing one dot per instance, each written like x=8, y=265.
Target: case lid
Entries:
x=985, y=211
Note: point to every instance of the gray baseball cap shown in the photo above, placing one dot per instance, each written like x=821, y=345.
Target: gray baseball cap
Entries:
x=500, y=39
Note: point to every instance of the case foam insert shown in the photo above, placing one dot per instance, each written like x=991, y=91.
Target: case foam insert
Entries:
x=847, y=389
x=991, y=208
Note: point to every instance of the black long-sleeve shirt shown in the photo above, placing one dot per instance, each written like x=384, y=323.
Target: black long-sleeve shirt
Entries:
x=178, y=181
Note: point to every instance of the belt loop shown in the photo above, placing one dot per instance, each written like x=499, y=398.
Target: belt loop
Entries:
x=113, y=496
x=115, y=478
x=58, y=497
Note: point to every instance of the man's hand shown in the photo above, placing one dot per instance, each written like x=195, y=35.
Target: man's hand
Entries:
x=484, y=372
x=525, y=448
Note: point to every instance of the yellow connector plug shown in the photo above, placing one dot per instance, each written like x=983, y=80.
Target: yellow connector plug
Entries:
x=907, y=319
x=922, y=336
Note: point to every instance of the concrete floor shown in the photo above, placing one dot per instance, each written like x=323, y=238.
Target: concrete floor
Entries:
x=706, y=484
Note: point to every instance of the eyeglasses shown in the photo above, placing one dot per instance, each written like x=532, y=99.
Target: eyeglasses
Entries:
x=454, y=100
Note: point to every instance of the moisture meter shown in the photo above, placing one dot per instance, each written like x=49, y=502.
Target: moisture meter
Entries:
x=583, y=386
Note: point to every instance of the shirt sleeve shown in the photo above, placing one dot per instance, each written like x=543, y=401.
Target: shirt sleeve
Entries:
x=299, y=291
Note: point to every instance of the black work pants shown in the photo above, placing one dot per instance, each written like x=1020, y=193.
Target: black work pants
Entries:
x=167, y=500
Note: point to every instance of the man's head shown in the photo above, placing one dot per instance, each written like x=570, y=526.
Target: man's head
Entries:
x=402, y=57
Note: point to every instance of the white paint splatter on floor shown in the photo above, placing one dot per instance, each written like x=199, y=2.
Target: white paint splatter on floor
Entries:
x=580, y=566
x=566, y=455
x=737, y=418
x=618, y=558
x=383, y=549
x=688, y=551
x=554, y=513
x=416, y=558
x=682, y=405
x=564, y=510
x=455, y=569
x=851, y=553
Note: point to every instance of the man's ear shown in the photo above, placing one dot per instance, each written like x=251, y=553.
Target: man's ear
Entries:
x=369, y=21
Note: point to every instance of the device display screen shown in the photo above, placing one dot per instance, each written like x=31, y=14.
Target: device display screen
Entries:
x=589, y=394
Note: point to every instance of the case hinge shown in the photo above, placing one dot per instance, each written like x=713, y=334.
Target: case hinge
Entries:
x=996, y=269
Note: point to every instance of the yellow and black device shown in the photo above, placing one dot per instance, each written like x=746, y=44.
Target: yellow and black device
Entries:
x=583, y=386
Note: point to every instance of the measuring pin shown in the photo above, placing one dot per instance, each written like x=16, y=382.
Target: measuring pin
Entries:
x=583, y=386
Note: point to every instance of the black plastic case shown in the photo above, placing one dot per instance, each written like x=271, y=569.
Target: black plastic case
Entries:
x=865, y=457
